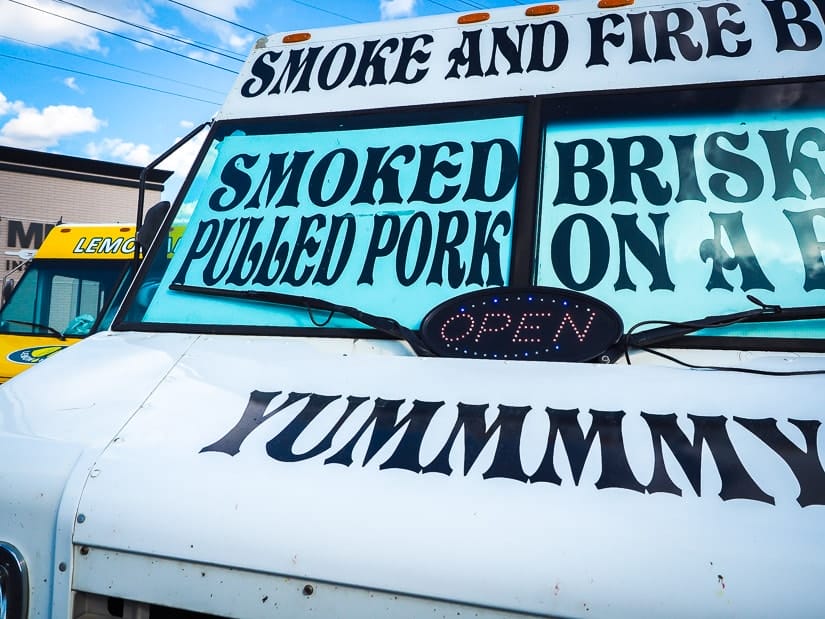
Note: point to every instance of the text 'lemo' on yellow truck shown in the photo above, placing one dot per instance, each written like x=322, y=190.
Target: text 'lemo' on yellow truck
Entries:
x=63, y=292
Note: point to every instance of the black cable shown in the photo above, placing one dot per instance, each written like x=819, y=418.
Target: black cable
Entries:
x=695, y=326
x=112, y=64
x=123, y=36
x=318, y=8
x=109, y=79
x=208, y=48
x=449, y=8
x=226, y=21
x=686, y=326
x=728, y=368
x=471, y=4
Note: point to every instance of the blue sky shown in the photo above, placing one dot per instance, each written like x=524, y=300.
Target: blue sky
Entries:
x=91, y=78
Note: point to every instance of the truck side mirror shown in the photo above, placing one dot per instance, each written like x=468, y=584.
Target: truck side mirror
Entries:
x=151, y=224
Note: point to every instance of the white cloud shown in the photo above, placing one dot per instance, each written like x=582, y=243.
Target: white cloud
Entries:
x=187, y=124
x=71, y=83
x=179, y=162
x=392, y=9
x=240, y=43
x=9, y=107
x=46, y=28
x=120, y=150
x=48, y=22
x=36, y=129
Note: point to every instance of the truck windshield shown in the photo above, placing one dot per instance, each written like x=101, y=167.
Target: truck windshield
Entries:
x=681, y=204
x=60, y=296
x=667, y=205
x=391, y=214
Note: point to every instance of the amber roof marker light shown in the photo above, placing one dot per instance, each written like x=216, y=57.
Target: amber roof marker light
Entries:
x=297, y=37
x=614, y=4
x=542, y=9
x=473, y=18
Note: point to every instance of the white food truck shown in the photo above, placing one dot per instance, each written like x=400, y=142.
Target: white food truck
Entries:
x=510, y=313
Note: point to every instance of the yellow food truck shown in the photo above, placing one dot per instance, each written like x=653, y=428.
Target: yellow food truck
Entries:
x=62, y=293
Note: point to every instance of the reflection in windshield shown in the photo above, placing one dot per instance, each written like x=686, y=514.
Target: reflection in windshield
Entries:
x=60, y=297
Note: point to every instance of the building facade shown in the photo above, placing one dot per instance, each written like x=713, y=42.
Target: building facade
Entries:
x=38, y=190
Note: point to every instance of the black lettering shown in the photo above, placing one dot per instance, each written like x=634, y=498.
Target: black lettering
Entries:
x=810, y=246
x=599, y=38
x=249, y=255
x=510, y=50
x=683, y=146
x=688, y=49
x=252, y=417
x=281, y=447
x=210, y=278
x=811, y=36
x=639, y=52
x=385, y=417
x=344, y=66
x=429, y=167
x=716, y=30
x=274, y=176
x=506, y=174
x=410, y=54
x=276, y=252
x=235, y=179
x=561, y=252
x=743, y=256
x=263, y=70
x=736, y=482
x=298, y=68
x=422, y=248
x=507, y=457
x=377, y=248
x=322, y=275
x=561, y=44
x=449, y=248
x=321, y=176
x=373, y=60
x=304, y=244
x=568, y=169
x=204, y=240
x=747, y=169
x=805, y=465
x=29, y=238
x=468, y=54
x=785, y=166
x=652, y=155
x=487, y=248
x=616, y=471
x=655, y=261
x=407, y=455
x=378, y=167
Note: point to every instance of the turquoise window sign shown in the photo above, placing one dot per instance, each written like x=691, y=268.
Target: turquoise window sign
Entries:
x=676, y=218
x=390, y=220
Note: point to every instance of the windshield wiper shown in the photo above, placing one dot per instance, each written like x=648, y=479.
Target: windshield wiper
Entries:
x=36, y=325
x=380, y=323
x=762, y=313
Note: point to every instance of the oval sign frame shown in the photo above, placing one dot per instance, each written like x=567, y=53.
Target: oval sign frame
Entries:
x=535, y=323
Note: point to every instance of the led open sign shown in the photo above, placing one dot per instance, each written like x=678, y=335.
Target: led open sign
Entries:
x=536, y=324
